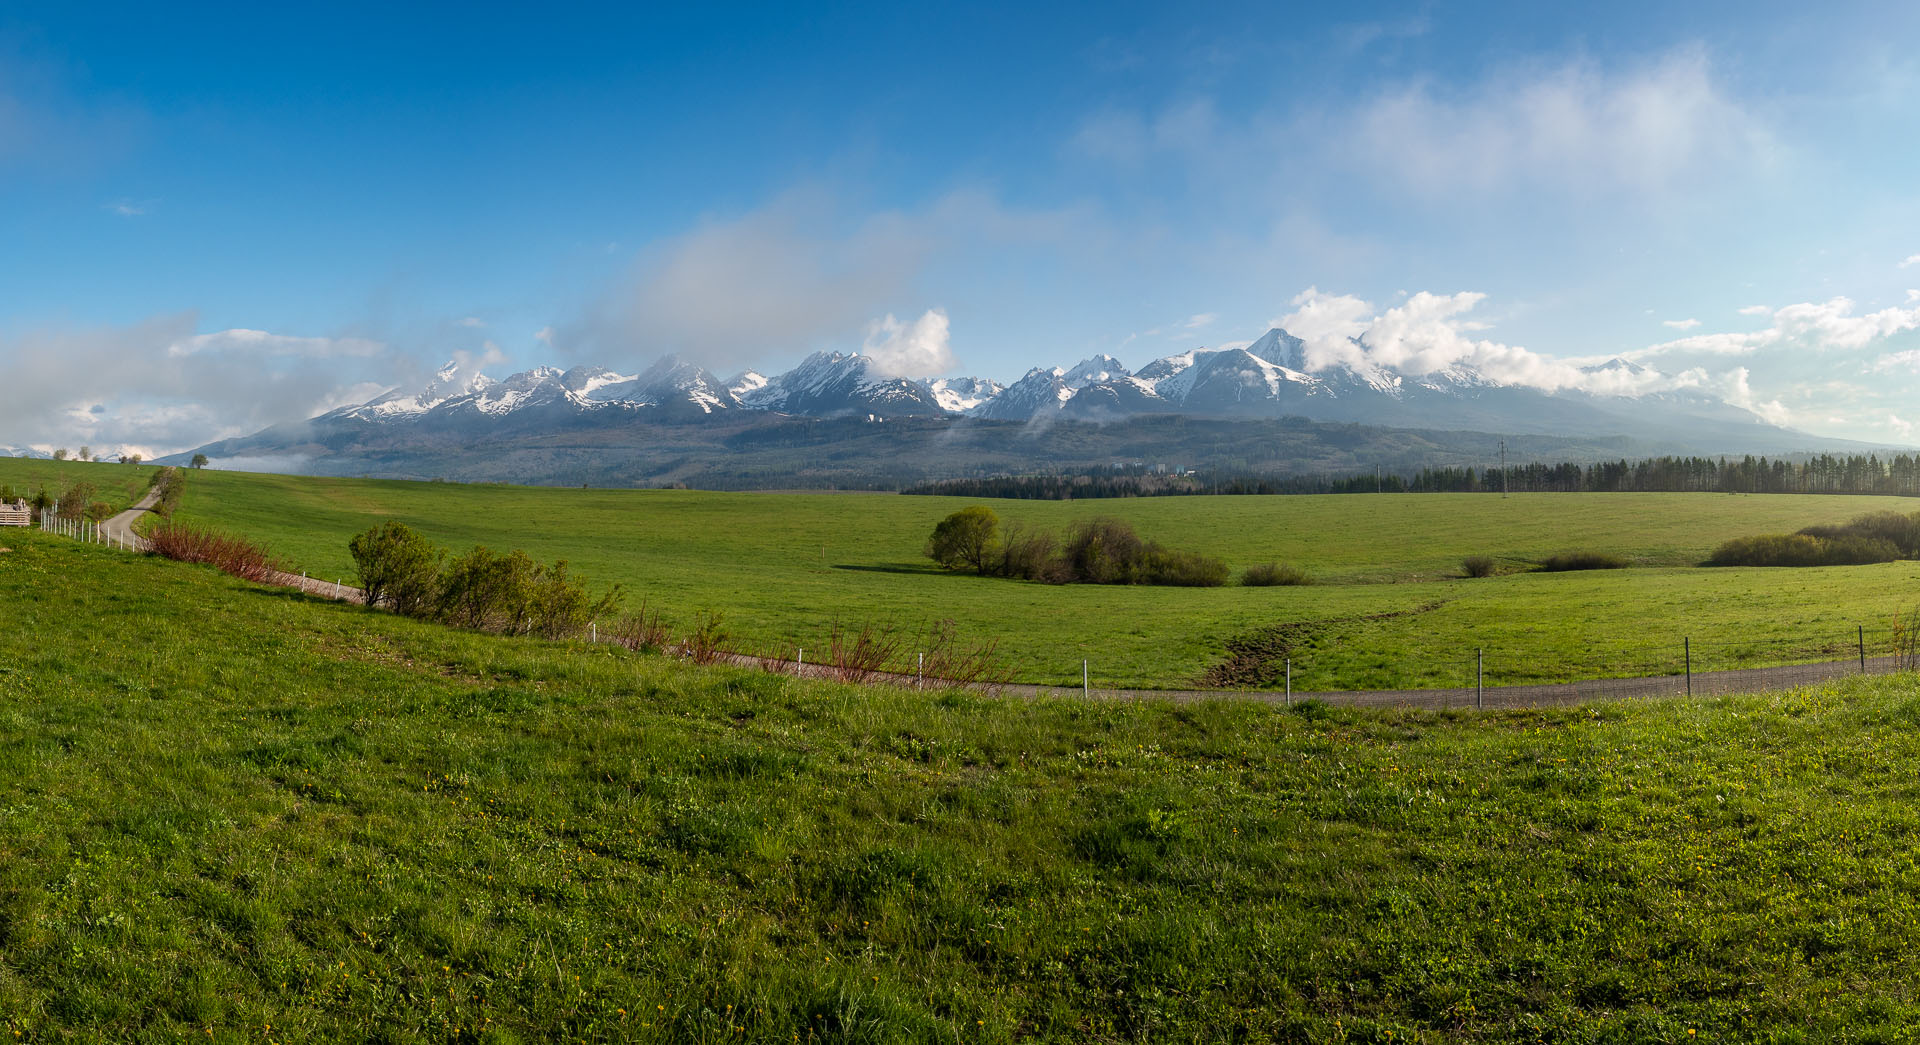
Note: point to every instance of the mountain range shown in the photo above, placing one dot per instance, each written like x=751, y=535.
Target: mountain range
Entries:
x=1266, y=380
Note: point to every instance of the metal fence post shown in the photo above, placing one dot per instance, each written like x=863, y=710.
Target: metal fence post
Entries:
x=1289, y=681
x=1861, y=634
x=802, y=660
x=920, y=670
x=1480, y=678
x=1686, y=645
x=1086, y=688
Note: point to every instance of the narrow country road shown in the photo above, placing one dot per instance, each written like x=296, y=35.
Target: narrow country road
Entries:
x=119, y=529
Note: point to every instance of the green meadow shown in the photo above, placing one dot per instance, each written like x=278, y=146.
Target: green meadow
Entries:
x=235, y=814
x=1392, y=609
x=119, y=485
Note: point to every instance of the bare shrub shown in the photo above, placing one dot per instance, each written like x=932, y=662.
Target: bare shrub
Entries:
x=704, y=644
x=234, y=555
x=1582, y=560
x=643, y=631
x=861, y=656
x=951, y=661
x=1273, y=574
x=1477, y=566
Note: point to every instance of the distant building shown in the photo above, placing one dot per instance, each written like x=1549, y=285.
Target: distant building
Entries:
x=15, y=513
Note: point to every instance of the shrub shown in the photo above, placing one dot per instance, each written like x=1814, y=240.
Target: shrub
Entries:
x=1583, y=560
x=558, y=606
x=171, y=484
x=948, y=660
x=1027, y=554
x=964, y=538
x=1902, y=531
x=1181, y=569
x=860, y=656
x=1268, y=575
x=1477, y=566
x=641, y=631
x=484, y=590
x=704, y=644
x=397, y=567
x=1104, y=551
x=235, y=555
x=1802, y=549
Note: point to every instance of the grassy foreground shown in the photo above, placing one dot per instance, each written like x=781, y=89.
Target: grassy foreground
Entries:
x=781, y=569
x=237, y=814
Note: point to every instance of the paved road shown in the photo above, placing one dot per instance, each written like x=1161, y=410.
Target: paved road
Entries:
x=119, y=529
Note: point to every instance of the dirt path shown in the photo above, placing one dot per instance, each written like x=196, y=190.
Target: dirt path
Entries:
x=119, y=530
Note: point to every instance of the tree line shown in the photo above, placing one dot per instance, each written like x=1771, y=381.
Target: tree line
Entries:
x=1823, y=473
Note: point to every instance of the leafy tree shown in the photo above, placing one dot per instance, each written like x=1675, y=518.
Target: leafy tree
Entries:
x=131, y=458
x=398, y=567
x=73, y=503
x=199, y=460
x=60, y=454
x=98, y=512
x=86, y=453
x=964, y=538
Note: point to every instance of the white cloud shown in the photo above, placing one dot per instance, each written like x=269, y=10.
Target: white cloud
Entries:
x=474, y=322
x=545, y=336
x=1908, y=360
x=1899, y=426
x=1735, y=388
x=1827, y=326
x=917, y=349
x=1912, y=260
x=158, y=384
x=1199, y=321
x=1680, y=324
x=1577, y=126
x=260, y=342
x=1429, y=332
x=127, y=208
x=1756, y=310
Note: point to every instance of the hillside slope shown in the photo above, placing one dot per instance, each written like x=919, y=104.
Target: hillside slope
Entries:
x=230, y=813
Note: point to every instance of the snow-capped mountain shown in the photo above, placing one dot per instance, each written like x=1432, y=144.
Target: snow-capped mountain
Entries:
x=23, y=451
x=1269, y=379
x=829, y=384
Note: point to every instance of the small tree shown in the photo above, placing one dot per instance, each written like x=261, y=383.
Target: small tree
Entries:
x=132, y=458
x=199, y=460
x=396, y=566
x=86, y=453
x=98, y=511
x=73, y=503
x=60, y=454
x=964, y=538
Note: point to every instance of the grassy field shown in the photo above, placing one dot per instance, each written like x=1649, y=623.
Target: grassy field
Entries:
x=235, y=814
x=119, y=485
x=782, y=568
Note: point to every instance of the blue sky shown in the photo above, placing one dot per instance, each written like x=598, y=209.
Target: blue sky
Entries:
x=220, y=217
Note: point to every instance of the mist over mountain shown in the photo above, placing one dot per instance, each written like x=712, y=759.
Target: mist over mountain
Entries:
x=724, y=425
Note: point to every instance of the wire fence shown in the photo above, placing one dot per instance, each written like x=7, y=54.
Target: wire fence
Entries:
x=1487, y=678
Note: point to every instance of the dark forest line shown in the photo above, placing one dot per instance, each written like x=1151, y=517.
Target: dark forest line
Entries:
x=1824, y=473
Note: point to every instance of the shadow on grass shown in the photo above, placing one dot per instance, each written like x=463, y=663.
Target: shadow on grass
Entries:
x=895, y=567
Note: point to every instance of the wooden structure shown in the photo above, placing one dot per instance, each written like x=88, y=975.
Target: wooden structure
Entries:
x=15, y=513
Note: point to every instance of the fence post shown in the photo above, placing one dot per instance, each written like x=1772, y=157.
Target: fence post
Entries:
x=1686, y=644
x=593, y=631
x=1086, y=688
x=1289, y=681
x=920, y=670
x=802, y=661
x=1479, y=678
x=1861, y=634
x=336, y=588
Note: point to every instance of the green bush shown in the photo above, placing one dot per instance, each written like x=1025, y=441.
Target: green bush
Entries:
x=397, y=567
x=1901, y=531
x=1477, y=566
x=1803, y=549
x=1583, y=560
x=1272, y=574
